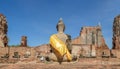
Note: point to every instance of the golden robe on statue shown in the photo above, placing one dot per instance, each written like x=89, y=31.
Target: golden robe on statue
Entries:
x=59, y=48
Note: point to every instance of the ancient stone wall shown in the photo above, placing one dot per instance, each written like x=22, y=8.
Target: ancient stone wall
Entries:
x=43, y=49
x=18, y=52
x=102, y=53
x=83, y=50
x=115, y=53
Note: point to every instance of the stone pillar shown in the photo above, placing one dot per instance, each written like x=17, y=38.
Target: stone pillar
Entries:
x=24, y=41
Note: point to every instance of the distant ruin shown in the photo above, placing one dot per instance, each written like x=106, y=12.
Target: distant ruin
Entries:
x=23, y=41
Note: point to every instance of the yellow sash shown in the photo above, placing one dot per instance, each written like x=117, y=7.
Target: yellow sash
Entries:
x=60, y=47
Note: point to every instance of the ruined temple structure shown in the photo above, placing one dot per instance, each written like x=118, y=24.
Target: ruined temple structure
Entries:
x=3, y=31
x=116, y=32
x=90, y=36
x=24, y=41
x=90, y=41
x=89, y=44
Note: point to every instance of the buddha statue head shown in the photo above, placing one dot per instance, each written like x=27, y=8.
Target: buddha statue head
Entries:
x=60, y=26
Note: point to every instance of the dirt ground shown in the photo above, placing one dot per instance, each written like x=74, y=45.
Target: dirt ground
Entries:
x=56, y=65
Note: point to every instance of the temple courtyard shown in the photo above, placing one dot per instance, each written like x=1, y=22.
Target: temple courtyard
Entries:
x=83, y=63
x=55, y=65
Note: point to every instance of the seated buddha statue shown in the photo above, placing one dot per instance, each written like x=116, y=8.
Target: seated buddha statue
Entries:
x=60, y=43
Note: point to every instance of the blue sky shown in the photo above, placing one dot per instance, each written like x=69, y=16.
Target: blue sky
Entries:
x=37, y=19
